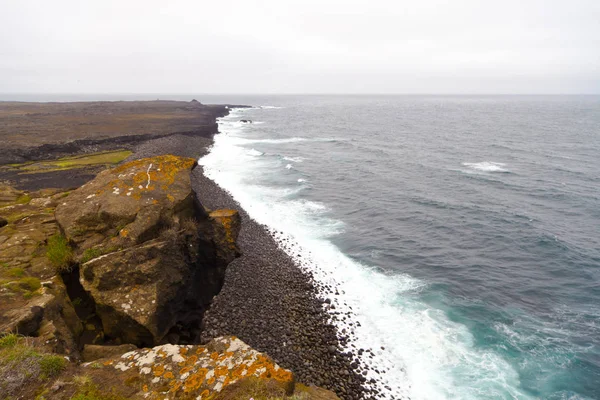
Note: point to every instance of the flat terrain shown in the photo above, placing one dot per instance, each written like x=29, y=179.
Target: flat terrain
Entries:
x=63, y=145
x=36, y=124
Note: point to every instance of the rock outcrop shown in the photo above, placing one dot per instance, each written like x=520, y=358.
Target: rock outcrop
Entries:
x=172, y=371
x=151, y=257
x=33, y=300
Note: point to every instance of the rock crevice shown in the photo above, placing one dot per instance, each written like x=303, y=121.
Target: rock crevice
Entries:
x=151, y=257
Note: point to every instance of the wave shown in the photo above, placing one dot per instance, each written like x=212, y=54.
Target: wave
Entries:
x=271, y=107
x=293, y=140
x=294, y=159
x=254, y=152
x=487, y=166
x=418, y=351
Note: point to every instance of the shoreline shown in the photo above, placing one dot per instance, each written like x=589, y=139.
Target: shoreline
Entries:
x=267, y=299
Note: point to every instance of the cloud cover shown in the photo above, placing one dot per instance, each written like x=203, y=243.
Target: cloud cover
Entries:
x=305, y=46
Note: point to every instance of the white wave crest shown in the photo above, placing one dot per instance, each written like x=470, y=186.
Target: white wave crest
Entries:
x=254, y=152
x=270, y=107
x=288, y=166
x=294, y=159
x=420, y=353
x=486, y=166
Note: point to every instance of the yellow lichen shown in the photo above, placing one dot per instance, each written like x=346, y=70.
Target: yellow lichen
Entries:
x=158, y=370
x=194, y=381
x=168, y=375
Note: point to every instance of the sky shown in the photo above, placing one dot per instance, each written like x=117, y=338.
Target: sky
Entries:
x=304, y=46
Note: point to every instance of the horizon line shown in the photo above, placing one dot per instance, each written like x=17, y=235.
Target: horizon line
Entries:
x=293, y=94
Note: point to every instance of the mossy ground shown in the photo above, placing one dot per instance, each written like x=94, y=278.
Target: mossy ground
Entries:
x=257, y=389
x=107, y=158
x=22, y=365
x=59, y=253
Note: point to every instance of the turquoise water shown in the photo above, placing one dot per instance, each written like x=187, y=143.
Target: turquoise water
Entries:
x=464, y=231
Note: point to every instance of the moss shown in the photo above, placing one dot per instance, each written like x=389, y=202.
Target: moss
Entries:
x=257, y=389
x=107, y=158
x=52, y=365
x=59, y=253
x=90, y=391
x=90, y=254
x=9, y=340
x=23, y=199
x=16, y=272
x=30, y=283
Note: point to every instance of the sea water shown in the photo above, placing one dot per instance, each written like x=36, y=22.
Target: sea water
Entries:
x=463, y=232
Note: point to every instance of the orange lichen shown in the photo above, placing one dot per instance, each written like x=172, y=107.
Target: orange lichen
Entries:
x=194, y=381
x=169, y=375
x=158, y=370
x=204, y=393
x=221, y=371
x=186, y=369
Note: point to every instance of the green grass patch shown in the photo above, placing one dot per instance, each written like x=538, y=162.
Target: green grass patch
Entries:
x=30, y=283
x=24, y=199
x=9, y=340
x=90, y=391
x=52, y=365
x=59, y=253
x=106, y=158
x=27, y=286
x=90, y=254
x=22, y=366
x=16, y=272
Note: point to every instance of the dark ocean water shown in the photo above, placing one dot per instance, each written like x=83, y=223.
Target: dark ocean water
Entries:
x=465, y=230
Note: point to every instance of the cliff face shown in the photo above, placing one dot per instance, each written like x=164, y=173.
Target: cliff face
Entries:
x=151, y=258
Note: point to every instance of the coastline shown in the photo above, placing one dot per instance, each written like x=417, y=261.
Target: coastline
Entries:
x=267, y=299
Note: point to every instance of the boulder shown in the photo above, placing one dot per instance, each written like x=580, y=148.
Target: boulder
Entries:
x=194, y=372
x=151, y=257
x=33, y=299
x=93, y=352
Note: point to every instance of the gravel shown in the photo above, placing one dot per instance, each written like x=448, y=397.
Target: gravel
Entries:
x=266, y=299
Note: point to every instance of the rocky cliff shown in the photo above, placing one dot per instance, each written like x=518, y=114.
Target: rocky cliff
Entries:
x=130, y=259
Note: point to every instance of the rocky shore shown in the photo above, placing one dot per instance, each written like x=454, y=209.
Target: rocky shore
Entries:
x=263, y=298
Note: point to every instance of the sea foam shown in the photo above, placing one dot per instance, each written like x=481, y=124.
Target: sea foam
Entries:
x=486, y=166
x=419, y=351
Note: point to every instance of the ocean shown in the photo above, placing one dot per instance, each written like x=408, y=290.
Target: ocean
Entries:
x=463, y=231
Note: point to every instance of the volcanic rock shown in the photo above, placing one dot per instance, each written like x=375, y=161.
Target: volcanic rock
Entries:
x=151, y=256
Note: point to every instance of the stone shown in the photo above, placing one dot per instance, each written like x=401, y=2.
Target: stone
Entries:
x=93, y=352
x=151, y=256
x=190, y=371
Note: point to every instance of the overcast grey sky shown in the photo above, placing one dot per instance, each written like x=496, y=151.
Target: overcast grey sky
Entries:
x=304, y=46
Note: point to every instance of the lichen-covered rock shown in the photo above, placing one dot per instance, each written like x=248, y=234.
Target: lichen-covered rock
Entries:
x=93, y=352
x=195, y=372
x=131, y=202
x=151, y=257
x=33, y=300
